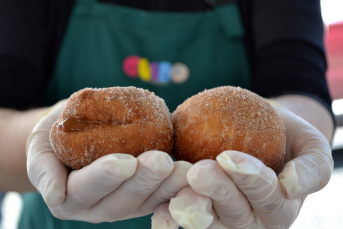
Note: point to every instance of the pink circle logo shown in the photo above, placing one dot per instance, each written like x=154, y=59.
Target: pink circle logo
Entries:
x=130, y=66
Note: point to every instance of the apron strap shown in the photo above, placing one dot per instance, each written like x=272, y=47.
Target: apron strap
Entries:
x=214, y=3
x=229, y=16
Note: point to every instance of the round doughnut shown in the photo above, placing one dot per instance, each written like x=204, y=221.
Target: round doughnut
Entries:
x=228, y=118
x=97, y=122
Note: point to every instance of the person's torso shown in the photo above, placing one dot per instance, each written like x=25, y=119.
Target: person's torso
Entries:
x=173, y=54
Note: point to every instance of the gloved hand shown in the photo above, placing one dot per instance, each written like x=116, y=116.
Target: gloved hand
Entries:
x=239, y=191
x=114, y=187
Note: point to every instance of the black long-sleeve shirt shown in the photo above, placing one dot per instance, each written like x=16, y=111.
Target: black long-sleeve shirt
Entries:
x=284, y=43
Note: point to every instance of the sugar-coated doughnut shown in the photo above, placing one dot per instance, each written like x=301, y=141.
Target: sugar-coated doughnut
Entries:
x=97, y=122
x=228, y=118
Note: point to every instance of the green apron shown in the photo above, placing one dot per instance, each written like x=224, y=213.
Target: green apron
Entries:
x=175, y=55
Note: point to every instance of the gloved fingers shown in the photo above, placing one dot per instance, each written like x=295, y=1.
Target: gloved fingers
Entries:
x=311, y=170
x=191, y=210
x=89, y=185
x=217, y=223
x=261, y=187
x=312, y=166
x=152, y=168
x=45, y=171
x=168, y=188
x=162, y=218
x=47, y=174
x=207, y=178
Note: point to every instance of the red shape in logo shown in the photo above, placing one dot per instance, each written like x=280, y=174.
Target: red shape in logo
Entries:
x=130, y=66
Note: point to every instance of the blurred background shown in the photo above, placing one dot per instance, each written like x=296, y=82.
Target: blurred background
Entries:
x=325, y=208
x=321, y=210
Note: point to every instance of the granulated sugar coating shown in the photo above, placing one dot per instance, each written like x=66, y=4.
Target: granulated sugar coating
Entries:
x=228, y=118
x=97, y=122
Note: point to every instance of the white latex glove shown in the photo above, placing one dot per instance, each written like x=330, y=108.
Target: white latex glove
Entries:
x=239, y=191
x=114, y=187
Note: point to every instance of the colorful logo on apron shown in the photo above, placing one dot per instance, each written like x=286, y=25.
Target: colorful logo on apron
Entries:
x=162, y=72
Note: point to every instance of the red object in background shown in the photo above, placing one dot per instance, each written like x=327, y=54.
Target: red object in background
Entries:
x=334, y=49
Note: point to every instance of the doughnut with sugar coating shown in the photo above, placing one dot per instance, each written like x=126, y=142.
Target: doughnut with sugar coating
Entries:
x=228, y=118
x=97, y=122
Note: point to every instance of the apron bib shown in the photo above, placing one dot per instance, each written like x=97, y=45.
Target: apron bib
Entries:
x=175, y=55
